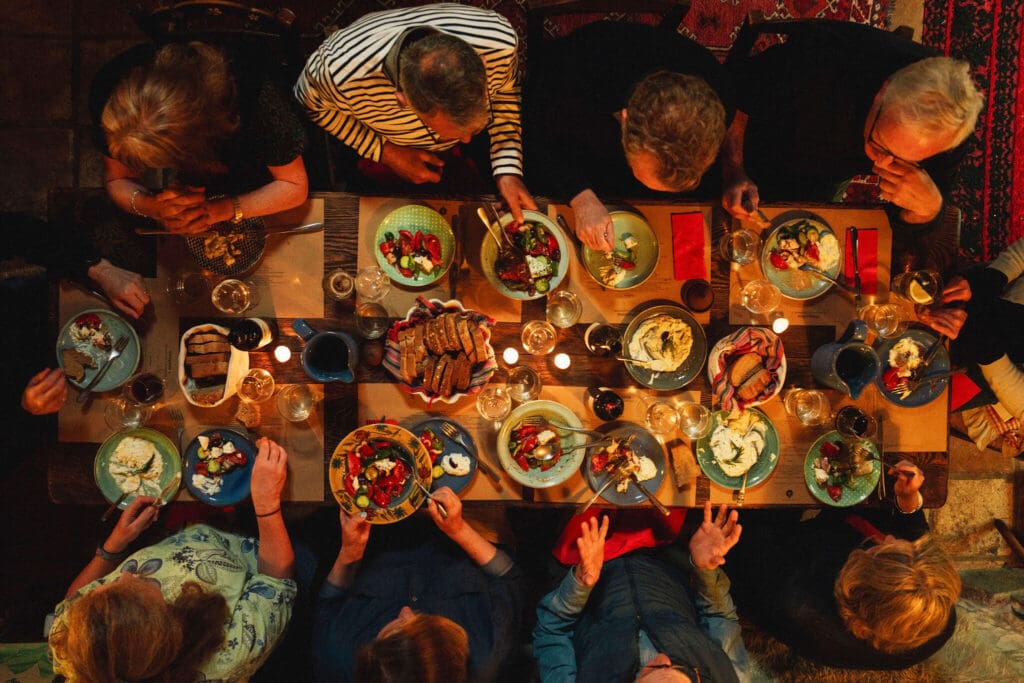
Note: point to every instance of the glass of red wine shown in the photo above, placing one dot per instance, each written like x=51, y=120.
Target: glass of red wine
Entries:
x=145, y=388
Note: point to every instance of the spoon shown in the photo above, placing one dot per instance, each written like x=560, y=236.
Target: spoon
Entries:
x=545, y=452
x=487, y=223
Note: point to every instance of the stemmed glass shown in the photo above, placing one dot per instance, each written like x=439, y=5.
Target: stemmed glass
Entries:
x=538, y=337
x=660, y=415
x=694, y=419
x=760, y=297
x=256, y=386
x=134, y=406
x=887, y=320
x=564, y=308
x=524, y=384
x=494, y=403
x=810, y=406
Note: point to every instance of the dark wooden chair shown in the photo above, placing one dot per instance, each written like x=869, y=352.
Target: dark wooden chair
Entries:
x=672, y=12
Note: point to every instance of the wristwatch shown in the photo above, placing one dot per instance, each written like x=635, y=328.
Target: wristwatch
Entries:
x=237, y=218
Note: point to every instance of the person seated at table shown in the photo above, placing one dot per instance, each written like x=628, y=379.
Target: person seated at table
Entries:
x=839, y=99
x=621, y=109
x=219, y=118
x=466, y=593
x=202, y=604
x=980, y=312
x=636, y=617
x=64, y=250
x=403, y=87
x=860, y=589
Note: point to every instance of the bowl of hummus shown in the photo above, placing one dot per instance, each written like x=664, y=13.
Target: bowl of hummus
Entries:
x=666, y=345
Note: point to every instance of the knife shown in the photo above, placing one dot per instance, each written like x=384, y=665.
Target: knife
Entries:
x=852, y=232
x=654, y=501
x=929, y=356
x=168, y=492
x=456, y=268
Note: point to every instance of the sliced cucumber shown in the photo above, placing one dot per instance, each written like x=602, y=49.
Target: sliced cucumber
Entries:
x=362, y=501
x=542, y=285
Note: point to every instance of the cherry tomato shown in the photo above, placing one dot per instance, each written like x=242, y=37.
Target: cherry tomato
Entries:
x=778, y=261
x=433, y=246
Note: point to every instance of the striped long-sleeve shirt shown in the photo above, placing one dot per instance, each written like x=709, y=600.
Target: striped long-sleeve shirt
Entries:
x=346, y=90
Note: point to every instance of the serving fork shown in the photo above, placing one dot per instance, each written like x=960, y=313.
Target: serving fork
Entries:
x=120, y=345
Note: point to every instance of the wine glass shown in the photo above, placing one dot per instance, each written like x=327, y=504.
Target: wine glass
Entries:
x=694, y=419
x=338, y=284
x=371, y=320
x=295, y=403
x=372, y=283
x=564, y=308
x=493, y=402
x=524, y=384
x=538, y=337
x=810, y=406
x=887, y=320
x=121, y=414
x=660, y=415
x=256, y=386
x=739, y=246
x=760, y=297
x=233, y=296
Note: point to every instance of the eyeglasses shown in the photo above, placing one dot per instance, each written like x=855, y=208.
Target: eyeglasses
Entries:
x=878, y=147
x=437, y=139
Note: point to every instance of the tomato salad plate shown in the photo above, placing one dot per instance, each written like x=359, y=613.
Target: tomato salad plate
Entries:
x=801, y=238
x=218, y=466
x=374, y=470
x=414, y=245
x=633, y=448
x=85, y=342
x=518, y=444
x=535, y=264
x=841, y=472
x=901, y=358
x=454, y=464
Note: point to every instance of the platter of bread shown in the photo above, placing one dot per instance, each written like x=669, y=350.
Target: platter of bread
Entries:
x=209, y=368
x=746, y=368
x=441, y=351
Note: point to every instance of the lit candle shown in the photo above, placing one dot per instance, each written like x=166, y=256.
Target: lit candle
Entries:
x=510, y=356
x=780, y=324
x=283, y=354
x=562, y=361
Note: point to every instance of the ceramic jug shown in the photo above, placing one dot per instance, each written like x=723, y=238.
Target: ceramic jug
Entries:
x=329, y=356
x=847, y=364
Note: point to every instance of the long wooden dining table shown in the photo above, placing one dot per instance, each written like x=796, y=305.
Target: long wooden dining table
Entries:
x=289, y=282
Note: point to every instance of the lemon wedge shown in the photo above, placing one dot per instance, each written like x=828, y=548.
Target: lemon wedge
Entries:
x=918, y=294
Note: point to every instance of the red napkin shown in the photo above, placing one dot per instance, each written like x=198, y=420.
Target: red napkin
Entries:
x=627, y=531
x=866, y=528
x=688, y=246
x=963, y=390
x=867, y=257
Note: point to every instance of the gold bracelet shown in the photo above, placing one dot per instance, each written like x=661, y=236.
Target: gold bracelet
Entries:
x=920, y=504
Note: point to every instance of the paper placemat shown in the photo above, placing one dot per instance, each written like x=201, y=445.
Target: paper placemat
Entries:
x=834, y=307
x=603, y=304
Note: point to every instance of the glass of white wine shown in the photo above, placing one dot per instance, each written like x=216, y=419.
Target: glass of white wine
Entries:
x=810, y=406
x=538, y=337
x=232, y=296
x=295, y=403
x=660, y=415
x=494, y=402
x=887, y=320
x=694, y=419
x=564, y=308
x=760, y=297
x=256, y=386
x=524, y=384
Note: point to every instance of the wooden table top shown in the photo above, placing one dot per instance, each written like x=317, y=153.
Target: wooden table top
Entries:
x=70, y=466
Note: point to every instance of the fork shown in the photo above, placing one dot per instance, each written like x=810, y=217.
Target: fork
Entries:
x=909, y=385
x=541, y=421
x=449, y=430
x=120, y=345
x=441, y=509
x=808, y=268
x=142, y=470
x=616, y=476
x=742, y=493
x=179, y=425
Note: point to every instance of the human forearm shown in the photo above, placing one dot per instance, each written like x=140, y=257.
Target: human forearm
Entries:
x=96, y=569
x=479, y=549
x=1011, y=261
x=1007, y=382
x=276, y=557
x=732, y=147
x=556, y=622
x=717, y=614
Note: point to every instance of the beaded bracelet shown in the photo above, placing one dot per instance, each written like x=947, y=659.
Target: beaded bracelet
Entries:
x=920, y=504
x=135, y=194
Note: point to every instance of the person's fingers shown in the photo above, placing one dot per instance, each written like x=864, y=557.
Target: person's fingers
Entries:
x=38, y=377
x=603, y=531
x=526, y=201
x=49, y=392
x=48, y=379
x=608, y=235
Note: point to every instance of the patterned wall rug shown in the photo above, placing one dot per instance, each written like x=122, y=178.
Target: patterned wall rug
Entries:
x=990, y=188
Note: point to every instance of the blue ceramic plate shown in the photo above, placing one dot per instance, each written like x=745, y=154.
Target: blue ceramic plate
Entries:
x=793, y=282
x=112, y=327
x=858, y=488
x=456, y=484
x=646, y=251
x=687, y=370
x=107, y=474
x=416, y=217
x=643, y=444
x=767, y=459
x=235, y=483
x=926, y=392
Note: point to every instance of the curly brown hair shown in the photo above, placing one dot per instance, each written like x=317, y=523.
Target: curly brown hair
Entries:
x=426, y=649
x=116, y=633
x=897, y=595
x=174, y=113
x=679, y=120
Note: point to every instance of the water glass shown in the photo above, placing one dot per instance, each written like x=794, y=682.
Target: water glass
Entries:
x=188, y=288
x=233, y=297
x=810, y=406
x=295, y=403
x=694, y=419
x=739, y=246
x=921, y=287
x=371, y=320
x=493, y=402
x=372, y=283
x=886, y=320
x=760, y=297
x=256, y=386
x=338, y=284
x=121, y=414
x=564, y=308
x=854, y=423
x=538, y=337
x=524, y=384
x=661, y=416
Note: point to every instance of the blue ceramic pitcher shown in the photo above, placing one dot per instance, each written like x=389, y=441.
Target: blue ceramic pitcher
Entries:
x=329, y=356
x=847, y=364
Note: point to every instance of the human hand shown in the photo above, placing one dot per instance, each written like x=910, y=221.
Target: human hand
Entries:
x=957, y=289
x=591, y=547
x=124, y=288
x=355, y=534
x=593, y=223
x=45, y=392
x=182, y=209
x=453, y=524
x=945, y=320
x=269, y=472
x=415, y=165
x=515, y=194
x=909, y=478
x=910, y=188
x=713, y=539
x=135, y=519
x=740, y=196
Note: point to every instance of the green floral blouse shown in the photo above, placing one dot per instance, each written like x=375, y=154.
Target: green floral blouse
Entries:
x=260, y=605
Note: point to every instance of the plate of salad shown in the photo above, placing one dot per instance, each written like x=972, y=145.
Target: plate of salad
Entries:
x=842, y=472
x=454, y=464
x=414, y=245
x=374, y=469
x=517, y=442
x=537, y=262
x=636, y=450
x=218, y=466
x=801, y=238
x=634, y=258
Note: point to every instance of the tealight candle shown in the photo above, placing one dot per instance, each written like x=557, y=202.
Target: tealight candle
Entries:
x=510, y=355
x=283, y=354
x=780, y=324
x=562, y=361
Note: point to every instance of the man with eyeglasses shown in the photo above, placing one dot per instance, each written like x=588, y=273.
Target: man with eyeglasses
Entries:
x=642, y=616
x=403, y=87
x=837, y=100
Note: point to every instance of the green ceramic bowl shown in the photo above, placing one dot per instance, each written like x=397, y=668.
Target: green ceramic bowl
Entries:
x=567, y=465
x=416, y=217
x=489, y=254
x=793, y=282
x=110, y=483
x=767, y=459
x=121, y=369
